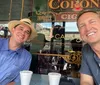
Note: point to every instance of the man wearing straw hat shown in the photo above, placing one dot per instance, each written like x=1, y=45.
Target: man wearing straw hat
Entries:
x=13, y=56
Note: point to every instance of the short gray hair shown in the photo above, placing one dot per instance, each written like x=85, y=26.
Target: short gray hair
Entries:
x=85, y=11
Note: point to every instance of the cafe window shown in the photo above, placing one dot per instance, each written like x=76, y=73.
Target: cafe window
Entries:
x=71, y=31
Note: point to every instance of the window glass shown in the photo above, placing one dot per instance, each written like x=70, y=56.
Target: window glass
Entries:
x=69, y=26
x=71, y=32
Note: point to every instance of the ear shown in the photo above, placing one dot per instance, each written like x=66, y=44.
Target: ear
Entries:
x=12, y=30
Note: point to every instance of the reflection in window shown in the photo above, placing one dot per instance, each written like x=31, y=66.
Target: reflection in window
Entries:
x=69, y=26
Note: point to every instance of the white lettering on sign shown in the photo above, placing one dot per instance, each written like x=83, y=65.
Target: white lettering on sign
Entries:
x=68, y=16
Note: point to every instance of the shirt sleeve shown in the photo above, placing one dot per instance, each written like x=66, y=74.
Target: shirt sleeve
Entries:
x=84, y=64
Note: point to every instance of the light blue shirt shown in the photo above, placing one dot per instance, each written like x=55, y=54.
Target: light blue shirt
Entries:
x=12, y=62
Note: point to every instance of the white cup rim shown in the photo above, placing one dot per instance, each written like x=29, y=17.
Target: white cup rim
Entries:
x=54, y=73
x=27, y=71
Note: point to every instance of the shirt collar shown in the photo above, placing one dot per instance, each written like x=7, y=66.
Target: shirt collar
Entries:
x=6, y=46
x=19, y=50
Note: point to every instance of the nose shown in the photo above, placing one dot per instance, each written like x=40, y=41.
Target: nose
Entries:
x=88, y=27
x=23, y=32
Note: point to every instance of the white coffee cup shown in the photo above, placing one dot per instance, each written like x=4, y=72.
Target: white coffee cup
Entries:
x=54, y=78
x=25, y=77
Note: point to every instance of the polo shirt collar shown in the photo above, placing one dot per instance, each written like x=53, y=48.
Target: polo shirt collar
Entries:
x=5, y=46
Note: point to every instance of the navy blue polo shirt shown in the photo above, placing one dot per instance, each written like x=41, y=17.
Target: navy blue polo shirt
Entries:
x=90, y=64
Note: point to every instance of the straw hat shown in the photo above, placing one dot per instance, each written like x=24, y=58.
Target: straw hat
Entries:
x=25, y=21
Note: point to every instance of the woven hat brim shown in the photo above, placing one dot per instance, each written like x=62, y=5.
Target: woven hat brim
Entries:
x=13, y=23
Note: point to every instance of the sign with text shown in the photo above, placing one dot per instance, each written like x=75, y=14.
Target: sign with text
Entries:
x=61, y=10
